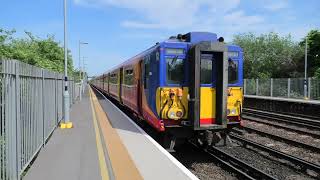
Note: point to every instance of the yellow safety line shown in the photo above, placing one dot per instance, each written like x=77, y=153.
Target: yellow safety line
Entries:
x=102, y=159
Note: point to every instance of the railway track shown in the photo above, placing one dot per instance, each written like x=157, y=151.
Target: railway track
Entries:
x=241, y=168
x=294, y=120
x=302, y=164
x=279, y=138
x=297, y=130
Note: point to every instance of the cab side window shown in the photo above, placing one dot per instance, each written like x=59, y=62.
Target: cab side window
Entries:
x=232, y=71
x=146, y=72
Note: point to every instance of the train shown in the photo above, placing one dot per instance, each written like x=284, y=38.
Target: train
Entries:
x=189, y=86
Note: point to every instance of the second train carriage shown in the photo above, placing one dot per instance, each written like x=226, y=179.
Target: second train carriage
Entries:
x=189, y=85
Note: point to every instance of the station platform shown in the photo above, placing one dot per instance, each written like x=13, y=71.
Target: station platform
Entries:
x=103, y=144
x=285, y=99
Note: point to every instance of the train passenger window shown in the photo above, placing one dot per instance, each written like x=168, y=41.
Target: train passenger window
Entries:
x=113, y=78
x=128, y=77
x=232, y=71
x=206, y=69
x=175, y=70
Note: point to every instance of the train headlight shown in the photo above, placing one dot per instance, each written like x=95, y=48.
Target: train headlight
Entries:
x=233, y=111
x=171, y=115
x=179, y=114
x=228, y=111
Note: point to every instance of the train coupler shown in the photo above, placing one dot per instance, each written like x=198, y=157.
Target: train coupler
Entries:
x=222, y=139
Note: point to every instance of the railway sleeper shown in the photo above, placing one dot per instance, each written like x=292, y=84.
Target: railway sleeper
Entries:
x=305, y=166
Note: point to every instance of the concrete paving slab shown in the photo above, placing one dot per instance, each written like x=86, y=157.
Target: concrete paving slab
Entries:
x=70, y=154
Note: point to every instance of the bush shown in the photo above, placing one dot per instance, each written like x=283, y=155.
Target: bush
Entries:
x=44, y=53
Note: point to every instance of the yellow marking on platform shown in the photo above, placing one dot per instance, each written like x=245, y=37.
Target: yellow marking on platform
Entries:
x=102, y=159
x=122, y=165
x=67, y=125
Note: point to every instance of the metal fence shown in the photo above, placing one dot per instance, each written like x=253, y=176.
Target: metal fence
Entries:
x=31, y=107
x=283, y=87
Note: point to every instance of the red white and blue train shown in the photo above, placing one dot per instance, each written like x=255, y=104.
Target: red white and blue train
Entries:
x=187, y=86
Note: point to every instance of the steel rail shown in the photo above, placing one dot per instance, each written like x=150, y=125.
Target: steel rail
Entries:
x=313, y=118
x=258, y=120
x=309, y=123
x=286, y=140
x=244, y=170
x=278, y=119
x=304, y=164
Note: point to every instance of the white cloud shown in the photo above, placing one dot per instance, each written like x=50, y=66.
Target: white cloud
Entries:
x=239, y=18
x=136, y=24
x=226, y=18
x=273, y=5
x=178, y=14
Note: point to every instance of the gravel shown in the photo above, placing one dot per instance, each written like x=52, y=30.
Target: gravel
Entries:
x=284, y=147
x=293, y=126
x=283, y=133
x=264, y=162
x=202, y=165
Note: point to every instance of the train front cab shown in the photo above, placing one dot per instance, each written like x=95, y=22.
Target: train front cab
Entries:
x=198, y=95
x=182, y=71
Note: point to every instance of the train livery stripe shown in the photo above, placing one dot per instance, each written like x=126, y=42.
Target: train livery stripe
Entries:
x=207, y=104
x=207, y=121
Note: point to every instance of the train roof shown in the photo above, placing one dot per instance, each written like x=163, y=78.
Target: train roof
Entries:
x=188, y=39
x=132, y=58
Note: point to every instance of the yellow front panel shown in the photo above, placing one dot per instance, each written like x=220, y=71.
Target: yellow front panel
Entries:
x=235, y=99
x=207, y=102
x=165, y=106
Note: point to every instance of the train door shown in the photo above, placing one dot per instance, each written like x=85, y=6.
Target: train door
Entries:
x=120, y=84
x=146, y=73
x=208, y=85
x=139, y=86
x=103, y=82
x=108, y=81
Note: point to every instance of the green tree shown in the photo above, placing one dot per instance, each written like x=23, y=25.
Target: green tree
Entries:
x=45, y=53
x=313, y=52
x=269, y=55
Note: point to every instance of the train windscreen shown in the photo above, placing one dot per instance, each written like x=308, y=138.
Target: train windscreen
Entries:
x=232, y=71
x=208, y=68
x=175, y=70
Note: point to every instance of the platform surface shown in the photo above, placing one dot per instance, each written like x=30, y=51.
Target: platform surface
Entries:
x=128, y=152
x=295, y=100
x=151, y=159
x=70, y=153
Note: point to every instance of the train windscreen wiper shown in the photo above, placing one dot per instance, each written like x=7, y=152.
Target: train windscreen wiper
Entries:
x=174, y=60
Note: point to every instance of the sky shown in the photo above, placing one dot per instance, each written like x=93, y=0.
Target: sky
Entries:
x=116, y=30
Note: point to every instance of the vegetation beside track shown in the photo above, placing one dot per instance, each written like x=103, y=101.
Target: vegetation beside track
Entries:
x=47, y=53
x=271, y=55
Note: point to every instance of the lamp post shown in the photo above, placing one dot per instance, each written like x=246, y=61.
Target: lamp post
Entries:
x=66, y=96
x=80, y=43
x=83, y=71
x=83, y=63
x=80, y=78
x=305, y=69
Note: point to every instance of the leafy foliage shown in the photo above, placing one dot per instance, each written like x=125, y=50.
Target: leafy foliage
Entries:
x=269, y=55
x=313, y=52
x=45, y=53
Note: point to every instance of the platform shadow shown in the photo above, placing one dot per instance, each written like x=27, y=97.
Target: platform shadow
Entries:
x=116, y=118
